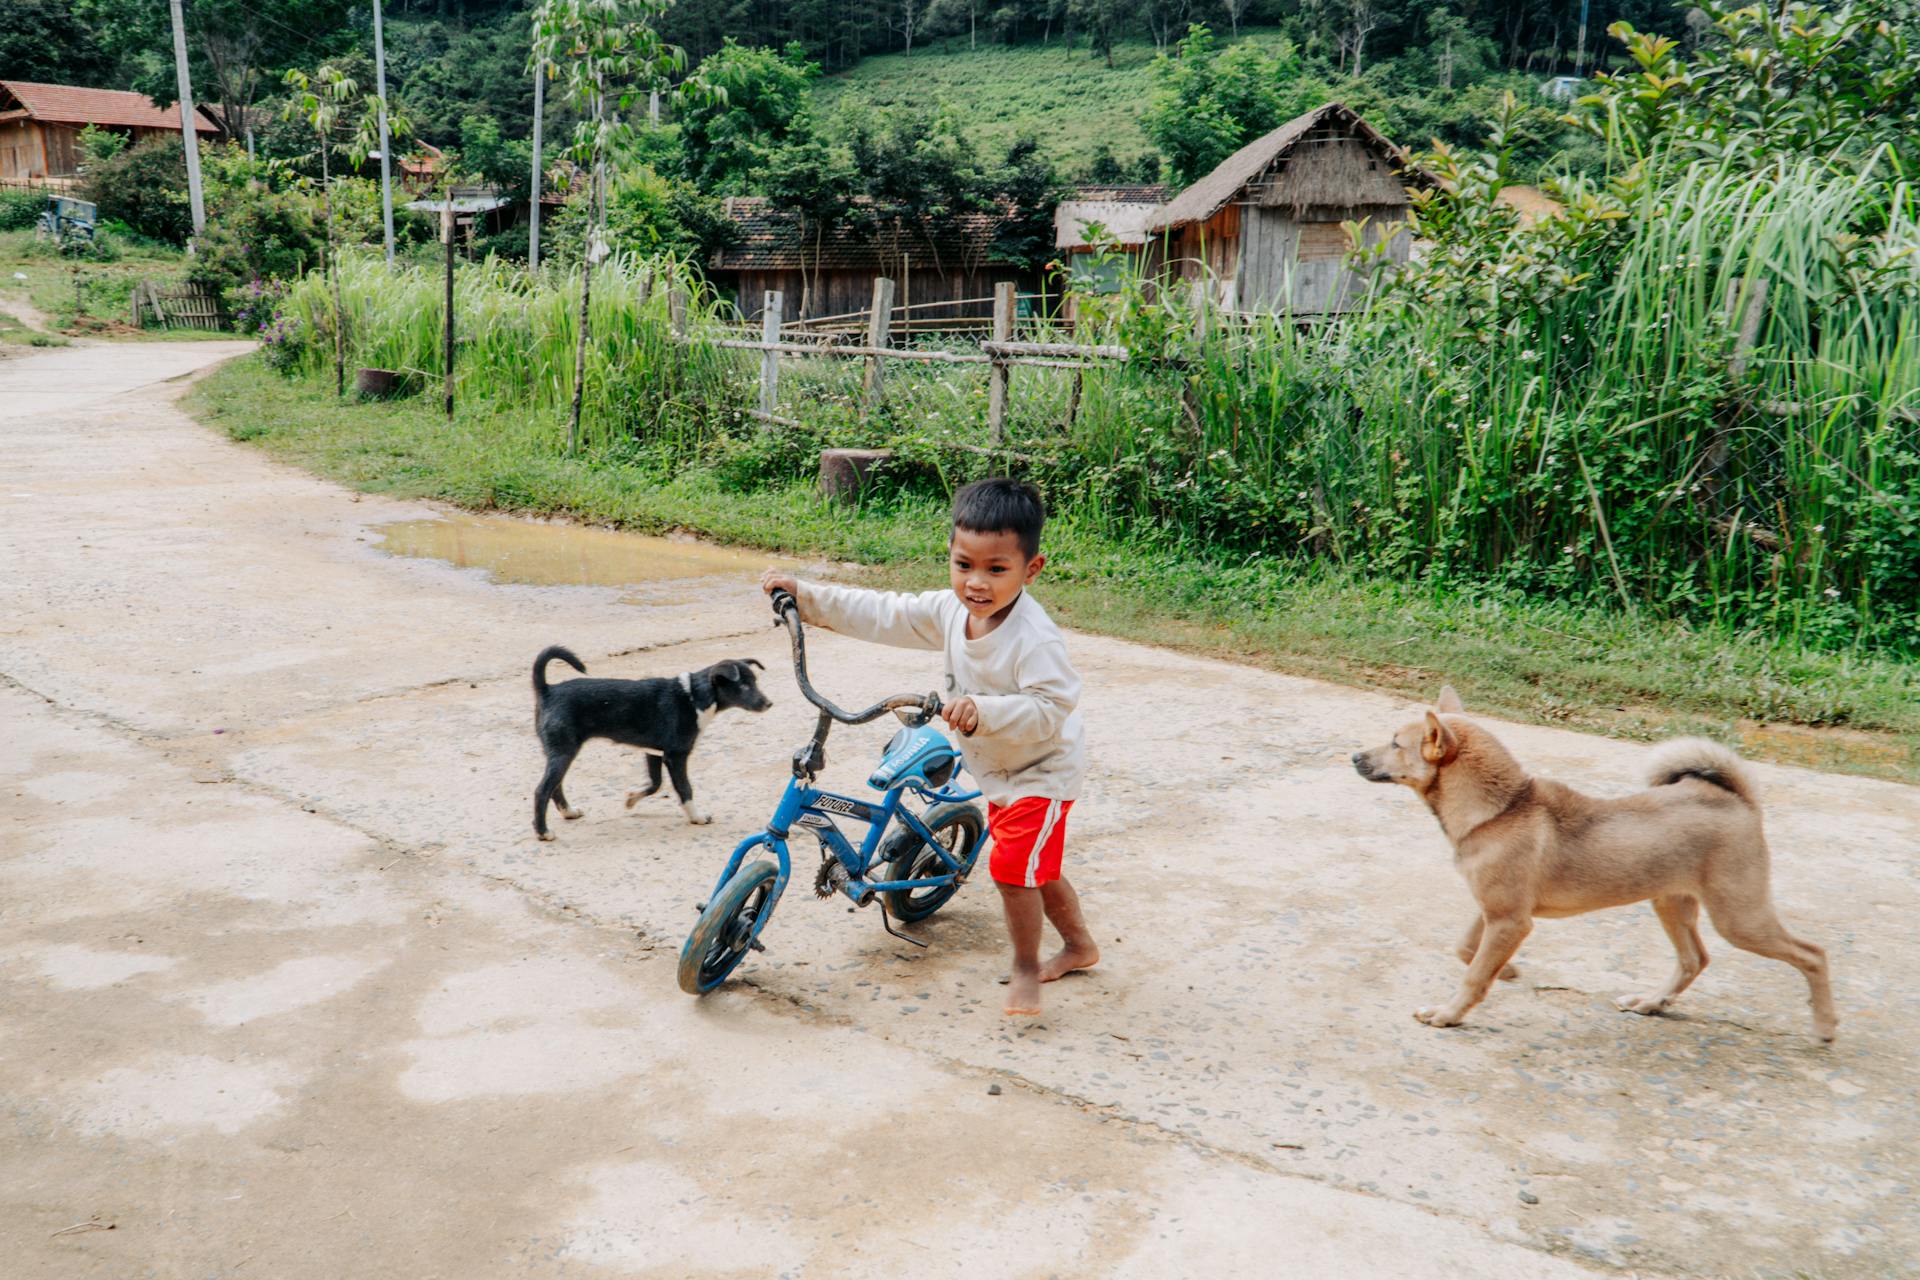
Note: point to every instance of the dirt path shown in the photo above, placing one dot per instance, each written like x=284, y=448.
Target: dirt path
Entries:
x=291, y=991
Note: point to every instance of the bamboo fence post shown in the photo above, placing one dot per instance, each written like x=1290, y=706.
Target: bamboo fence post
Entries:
x=997, y=372
x=879, y=324
x=770, y=317
x=446, y=228
x=677, y=310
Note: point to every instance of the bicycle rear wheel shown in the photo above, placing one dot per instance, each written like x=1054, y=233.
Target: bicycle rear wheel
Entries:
x=960, y=829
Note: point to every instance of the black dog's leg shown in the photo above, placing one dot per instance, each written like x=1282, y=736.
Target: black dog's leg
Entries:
x=653, y=781
x=557, y=766
x=567, y=811
x=683, y=787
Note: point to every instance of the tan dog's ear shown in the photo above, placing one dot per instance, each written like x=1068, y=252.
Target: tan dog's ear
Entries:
x=1439, y=745
x=1449, y=701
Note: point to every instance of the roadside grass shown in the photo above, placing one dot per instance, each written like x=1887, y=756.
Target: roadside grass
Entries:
x=1523, y=659
x=81, y=296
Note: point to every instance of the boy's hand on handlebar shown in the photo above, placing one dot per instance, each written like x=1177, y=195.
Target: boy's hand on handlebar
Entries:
x=773, y=580
x=962, y=715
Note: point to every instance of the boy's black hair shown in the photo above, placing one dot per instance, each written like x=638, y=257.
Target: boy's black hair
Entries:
x=1001, y=505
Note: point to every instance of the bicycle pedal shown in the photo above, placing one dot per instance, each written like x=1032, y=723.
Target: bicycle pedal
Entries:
x=757, y=945
x=699, y=907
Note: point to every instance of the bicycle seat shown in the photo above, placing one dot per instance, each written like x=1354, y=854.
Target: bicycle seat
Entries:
x=919, y=757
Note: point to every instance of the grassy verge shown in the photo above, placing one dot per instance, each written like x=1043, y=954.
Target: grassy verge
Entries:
x=1523, y=659
x=82, y=296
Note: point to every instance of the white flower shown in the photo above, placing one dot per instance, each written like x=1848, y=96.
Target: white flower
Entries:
x=1833, y=593
x=1819, y=528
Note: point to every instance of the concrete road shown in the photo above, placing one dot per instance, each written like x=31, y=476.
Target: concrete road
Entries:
x=290, y=990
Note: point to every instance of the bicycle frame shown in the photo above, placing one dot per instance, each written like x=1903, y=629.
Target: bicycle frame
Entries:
x=805, y=805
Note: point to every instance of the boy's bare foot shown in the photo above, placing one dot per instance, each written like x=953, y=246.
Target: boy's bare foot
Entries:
x=1023, y=995
x=1069, y=959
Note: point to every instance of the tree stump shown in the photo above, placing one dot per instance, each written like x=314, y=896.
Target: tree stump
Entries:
x=845, y=473
x=378, y=384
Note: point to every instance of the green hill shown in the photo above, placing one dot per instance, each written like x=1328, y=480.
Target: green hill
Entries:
x=1061, y=93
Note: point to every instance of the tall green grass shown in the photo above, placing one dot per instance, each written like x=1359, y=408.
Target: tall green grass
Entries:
x=1593, y=430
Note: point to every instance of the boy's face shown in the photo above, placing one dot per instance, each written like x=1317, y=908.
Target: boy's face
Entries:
x=989, y=569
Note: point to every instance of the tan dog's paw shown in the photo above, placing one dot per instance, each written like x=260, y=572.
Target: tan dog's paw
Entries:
x=572, y=815
x=635, y=797
x=1435, y=1016
x=1510, y=974
x=1646, y=1005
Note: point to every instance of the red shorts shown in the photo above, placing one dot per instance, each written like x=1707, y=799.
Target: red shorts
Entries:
x=1029, y=837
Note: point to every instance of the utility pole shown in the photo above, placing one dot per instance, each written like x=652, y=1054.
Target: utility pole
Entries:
x=189, y=123
x=533, y=210
x=386, y=160
x=1580, y=47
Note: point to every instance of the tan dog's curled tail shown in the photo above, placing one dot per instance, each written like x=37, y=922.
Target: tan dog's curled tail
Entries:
x=1707, y=761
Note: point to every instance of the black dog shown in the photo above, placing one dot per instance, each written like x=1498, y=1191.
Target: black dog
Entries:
x=662, y=717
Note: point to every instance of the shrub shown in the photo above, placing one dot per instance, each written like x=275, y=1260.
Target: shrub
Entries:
x=146, y=188
x=21, y=210
x=256, y=234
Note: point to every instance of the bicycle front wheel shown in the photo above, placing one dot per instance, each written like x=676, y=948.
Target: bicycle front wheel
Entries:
x=725, y=931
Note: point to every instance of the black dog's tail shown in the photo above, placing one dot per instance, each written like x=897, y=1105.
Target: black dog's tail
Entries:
x=547, y=655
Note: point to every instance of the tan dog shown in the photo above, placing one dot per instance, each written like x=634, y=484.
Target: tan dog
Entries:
x=1533, y=848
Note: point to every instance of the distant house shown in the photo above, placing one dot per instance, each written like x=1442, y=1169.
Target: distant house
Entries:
x=40, y=126
x=1264, y=228
x=1120, y=210
x=833, y=274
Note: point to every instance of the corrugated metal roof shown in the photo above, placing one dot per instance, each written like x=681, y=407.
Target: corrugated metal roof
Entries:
x=1212, y=193
x=70, y=104
x=1125, y=221
x=770, y=241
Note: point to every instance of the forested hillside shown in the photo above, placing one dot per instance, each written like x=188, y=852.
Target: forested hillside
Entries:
x=1065, y=62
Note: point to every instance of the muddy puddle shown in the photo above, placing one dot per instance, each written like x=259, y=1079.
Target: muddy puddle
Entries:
x=531, y=553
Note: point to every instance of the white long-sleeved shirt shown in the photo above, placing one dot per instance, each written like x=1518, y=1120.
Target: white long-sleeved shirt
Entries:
x=1030, y=741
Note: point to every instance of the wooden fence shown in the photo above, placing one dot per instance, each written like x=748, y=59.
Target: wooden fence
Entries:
x=1000, y=352
x=177, y=306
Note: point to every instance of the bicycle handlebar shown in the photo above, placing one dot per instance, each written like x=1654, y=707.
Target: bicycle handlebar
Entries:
x=786, y=611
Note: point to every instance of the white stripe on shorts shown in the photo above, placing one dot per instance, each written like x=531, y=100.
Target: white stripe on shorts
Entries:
x=1046, y=833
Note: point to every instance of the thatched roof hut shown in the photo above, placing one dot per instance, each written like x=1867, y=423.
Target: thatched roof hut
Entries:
x=1264, y=228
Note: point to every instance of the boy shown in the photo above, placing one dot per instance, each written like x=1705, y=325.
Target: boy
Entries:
x=1010, y=692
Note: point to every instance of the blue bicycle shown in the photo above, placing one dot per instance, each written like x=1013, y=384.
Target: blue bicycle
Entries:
x=921, y=863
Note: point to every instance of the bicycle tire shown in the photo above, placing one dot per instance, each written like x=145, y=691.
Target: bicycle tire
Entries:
x=908, y=857
x=725, y=931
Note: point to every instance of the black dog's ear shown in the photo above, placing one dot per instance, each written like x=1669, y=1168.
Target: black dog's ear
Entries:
x=755, y=662
x=734, y=671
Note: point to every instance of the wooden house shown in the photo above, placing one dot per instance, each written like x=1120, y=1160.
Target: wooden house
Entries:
x=941, y=274
x=40, y=126
x=1264, y=228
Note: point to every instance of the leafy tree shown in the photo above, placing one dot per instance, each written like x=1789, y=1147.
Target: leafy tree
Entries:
x=501, y=162
x=1029, y=188
x=738, y=107
x=317, y=101
x=600, y=54
x=1208, y=103
x=813, y=183
x=46, y=40
x=146, y=188
x=235, y=48
x=1798, y=80
x=921, y=172
x=1106, y=22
